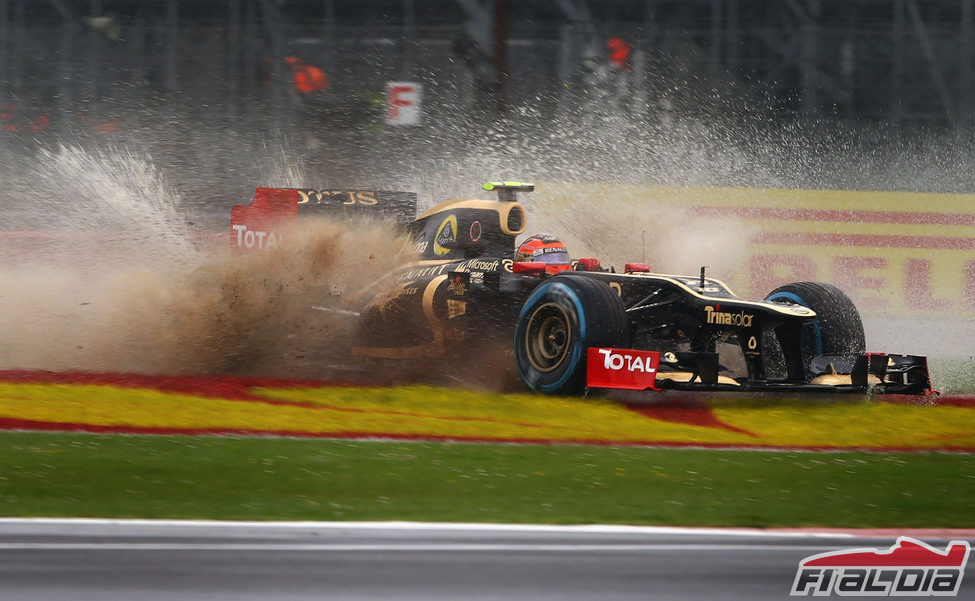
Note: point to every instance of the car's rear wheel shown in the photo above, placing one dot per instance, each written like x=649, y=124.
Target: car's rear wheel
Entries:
x=561, y=319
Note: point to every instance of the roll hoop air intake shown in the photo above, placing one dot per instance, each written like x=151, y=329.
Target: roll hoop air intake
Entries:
x=507, y=191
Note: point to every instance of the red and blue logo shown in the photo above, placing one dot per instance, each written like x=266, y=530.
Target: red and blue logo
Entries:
x=909, y=567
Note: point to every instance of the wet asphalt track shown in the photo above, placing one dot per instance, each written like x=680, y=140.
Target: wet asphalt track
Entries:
x=104, y=561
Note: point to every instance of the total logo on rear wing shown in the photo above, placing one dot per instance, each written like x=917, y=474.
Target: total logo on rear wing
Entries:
x=263, y=223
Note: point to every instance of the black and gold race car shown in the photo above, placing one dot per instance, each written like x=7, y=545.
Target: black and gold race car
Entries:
x=580, y=325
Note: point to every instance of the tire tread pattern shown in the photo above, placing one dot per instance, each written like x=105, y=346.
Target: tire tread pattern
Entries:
x=606, y=325
x=840, y=326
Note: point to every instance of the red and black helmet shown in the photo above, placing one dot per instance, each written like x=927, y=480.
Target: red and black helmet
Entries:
x=542, y=248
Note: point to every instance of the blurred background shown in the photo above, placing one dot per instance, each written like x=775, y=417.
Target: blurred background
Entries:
x=796, y=87
x=290, y=63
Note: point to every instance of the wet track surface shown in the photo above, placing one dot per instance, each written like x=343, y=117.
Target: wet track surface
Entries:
x=127, y=560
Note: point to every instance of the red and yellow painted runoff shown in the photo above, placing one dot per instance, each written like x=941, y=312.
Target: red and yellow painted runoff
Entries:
x=243, y=406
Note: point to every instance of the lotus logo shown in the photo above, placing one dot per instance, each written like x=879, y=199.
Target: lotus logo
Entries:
x=446, y=235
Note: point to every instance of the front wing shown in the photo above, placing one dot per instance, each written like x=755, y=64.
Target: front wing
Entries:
x=875, y=373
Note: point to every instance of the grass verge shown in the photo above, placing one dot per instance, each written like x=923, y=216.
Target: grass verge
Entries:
x=91, y=475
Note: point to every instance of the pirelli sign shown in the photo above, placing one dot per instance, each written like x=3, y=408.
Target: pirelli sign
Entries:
x=894, y=253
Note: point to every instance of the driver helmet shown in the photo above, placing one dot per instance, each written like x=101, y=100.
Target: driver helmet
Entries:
x=542, y=248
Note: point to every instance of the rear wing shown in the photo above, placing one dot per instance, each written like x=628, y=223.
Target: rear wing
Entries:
x=262, y=223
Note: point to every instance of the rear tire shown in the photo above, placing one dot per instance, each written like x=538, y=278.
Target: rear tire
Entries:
x=561, y=319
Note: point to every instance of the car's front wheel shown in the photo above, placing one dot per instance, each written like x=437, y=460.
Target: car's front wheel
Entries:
x=560, y=321
x=837, y=329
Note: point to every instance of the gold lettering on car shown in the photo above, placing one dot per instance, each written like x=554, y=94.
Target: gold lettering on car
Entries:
x=457, y=287
x=345, y=197
x=738, y=320
x=456, y=308
x=366, y=198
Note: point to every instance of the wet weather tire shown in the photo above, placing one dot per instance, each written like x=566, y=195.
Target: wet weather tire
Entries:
x=837, y=329
x=560, y=321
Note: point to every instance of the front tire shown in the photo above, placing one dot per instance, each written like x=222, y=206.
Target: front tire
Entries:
x=559, y=322
x=837, y=329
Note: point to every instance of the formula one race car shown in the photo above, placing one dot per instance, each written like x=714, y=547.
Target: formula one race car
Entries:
x=574, y=325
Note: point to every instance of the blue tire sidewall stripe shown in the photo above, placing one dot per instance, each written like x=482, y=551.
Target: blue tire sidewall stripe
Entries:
x=541, y=292
x=817, y=333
